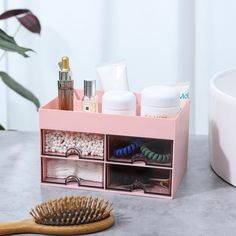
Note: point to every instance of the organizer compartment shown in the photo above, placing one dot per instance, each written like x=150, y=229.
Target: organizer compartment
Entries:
x=73, y=172
x=146, y=180
x=135, y=149
x=65, y=143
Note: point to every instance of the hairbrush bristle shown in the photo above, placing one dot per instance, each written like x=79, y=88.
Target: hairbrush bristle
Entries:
x=72, y=210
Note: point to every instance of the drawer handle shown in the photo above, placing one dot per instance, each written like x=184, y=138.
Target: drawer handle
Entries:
x=137, y=185
x=72, y=178
x=73, y=151
x=138, y=157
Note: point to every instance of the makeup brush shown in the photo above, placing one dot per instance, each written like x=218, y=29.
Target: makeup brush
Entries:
x=64, y=216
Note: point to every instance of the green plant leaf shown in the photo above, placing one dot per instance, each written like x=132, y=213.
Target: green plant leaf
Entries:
x=1, y=127
x=18, y=88
x=8, y=43
x=6, y=37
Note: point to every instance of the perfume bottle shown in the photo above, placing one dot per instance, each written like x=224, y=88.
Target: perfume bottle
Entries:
x=65, y=86
x=90, y=99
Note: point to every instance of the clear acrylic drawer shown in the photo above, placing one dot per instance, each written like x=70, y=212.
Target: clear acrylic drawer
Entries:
x=133, y=149
x=73, y=172
x=146, y=180
x=66, y=143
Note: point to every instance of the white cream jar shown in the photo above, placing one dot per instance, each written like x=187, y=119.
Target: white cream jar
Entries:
x=119, y=102
x=160, y=102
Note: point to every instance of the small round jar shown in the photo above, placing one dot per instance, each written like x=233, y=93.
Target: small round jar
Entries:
x=119, y=102
x=160, y=102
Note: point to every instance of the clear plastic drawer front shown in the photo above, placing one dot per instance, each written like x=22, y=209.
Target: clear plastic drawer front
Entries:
x=73, y=172
x=66, y=143
x=133, y=149
x=147, y=180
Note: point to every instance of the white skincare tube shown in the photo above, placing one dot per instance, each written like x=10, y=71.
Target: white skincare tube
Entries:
x=183, y=88
x=113, y=76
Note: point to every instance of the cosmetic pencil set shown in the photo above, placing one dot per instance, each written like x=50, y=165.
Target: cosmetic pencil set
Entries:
x=114, y=139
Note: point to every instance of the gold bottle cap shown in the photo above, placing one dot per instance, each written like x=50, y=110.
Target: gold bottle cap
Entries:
x=64, y=73
x=65, y=65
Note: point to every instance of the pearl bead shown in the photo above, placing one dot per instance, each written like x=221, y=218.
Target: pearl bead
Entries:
x=60, y=142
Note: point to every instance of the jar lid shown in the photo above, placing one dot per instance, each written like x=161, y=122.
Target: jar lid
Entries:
x=119, y=100
x=160, y=96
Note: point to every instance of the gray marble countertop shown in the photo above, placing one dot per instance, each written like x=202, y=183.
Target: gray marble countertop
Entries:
x=204, y=204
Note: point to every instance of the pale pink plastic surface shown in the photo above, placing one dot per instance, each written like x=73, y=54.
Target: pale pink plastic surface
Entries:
x=175, y=129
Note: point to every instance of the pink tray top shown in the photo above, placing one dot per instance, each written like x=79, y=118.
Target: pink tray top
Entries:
x=50, y=117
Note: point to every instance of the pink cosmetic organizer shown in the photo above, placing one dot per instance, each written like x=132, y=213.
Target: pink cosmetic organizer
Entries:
x=121, y=154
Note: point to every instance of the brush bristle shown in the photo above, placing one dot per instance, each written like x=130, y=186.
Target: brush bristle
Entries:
x=72, y=210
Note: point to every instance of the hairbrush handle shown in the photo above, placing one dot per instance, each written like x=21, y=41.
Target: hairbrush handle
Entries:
x=29, y=226
x=17, y=227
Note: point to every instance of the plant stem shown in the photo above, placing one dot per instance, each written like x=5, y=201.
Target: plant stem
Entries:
x=14, y=35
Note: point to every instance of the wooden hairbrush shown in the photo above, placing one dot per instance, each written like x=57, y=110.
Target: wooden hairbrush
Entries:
x=64, y=216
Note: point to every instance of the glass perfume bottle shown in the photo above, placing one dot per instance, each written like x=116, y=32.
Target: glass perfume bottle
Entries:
x=90, y=99
x=65, y=86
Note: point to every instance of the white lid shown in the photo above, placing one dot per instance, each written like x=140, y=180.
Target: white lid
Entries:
x=160, y=96
x=119, y=100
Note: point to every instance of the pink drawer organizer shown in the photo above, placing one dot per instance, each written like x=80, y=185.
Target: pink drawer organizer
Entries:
x=120, y=154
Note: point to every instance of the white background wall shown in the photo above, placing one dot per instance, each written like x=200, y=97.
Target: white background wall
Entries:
x=3, y=90
x=215, y=49
x=162, y=41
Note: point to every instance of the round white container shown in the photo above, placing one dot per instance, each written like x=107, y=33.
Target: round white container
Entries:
x=160, y=102
x=119, y=102
x=222, y=128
